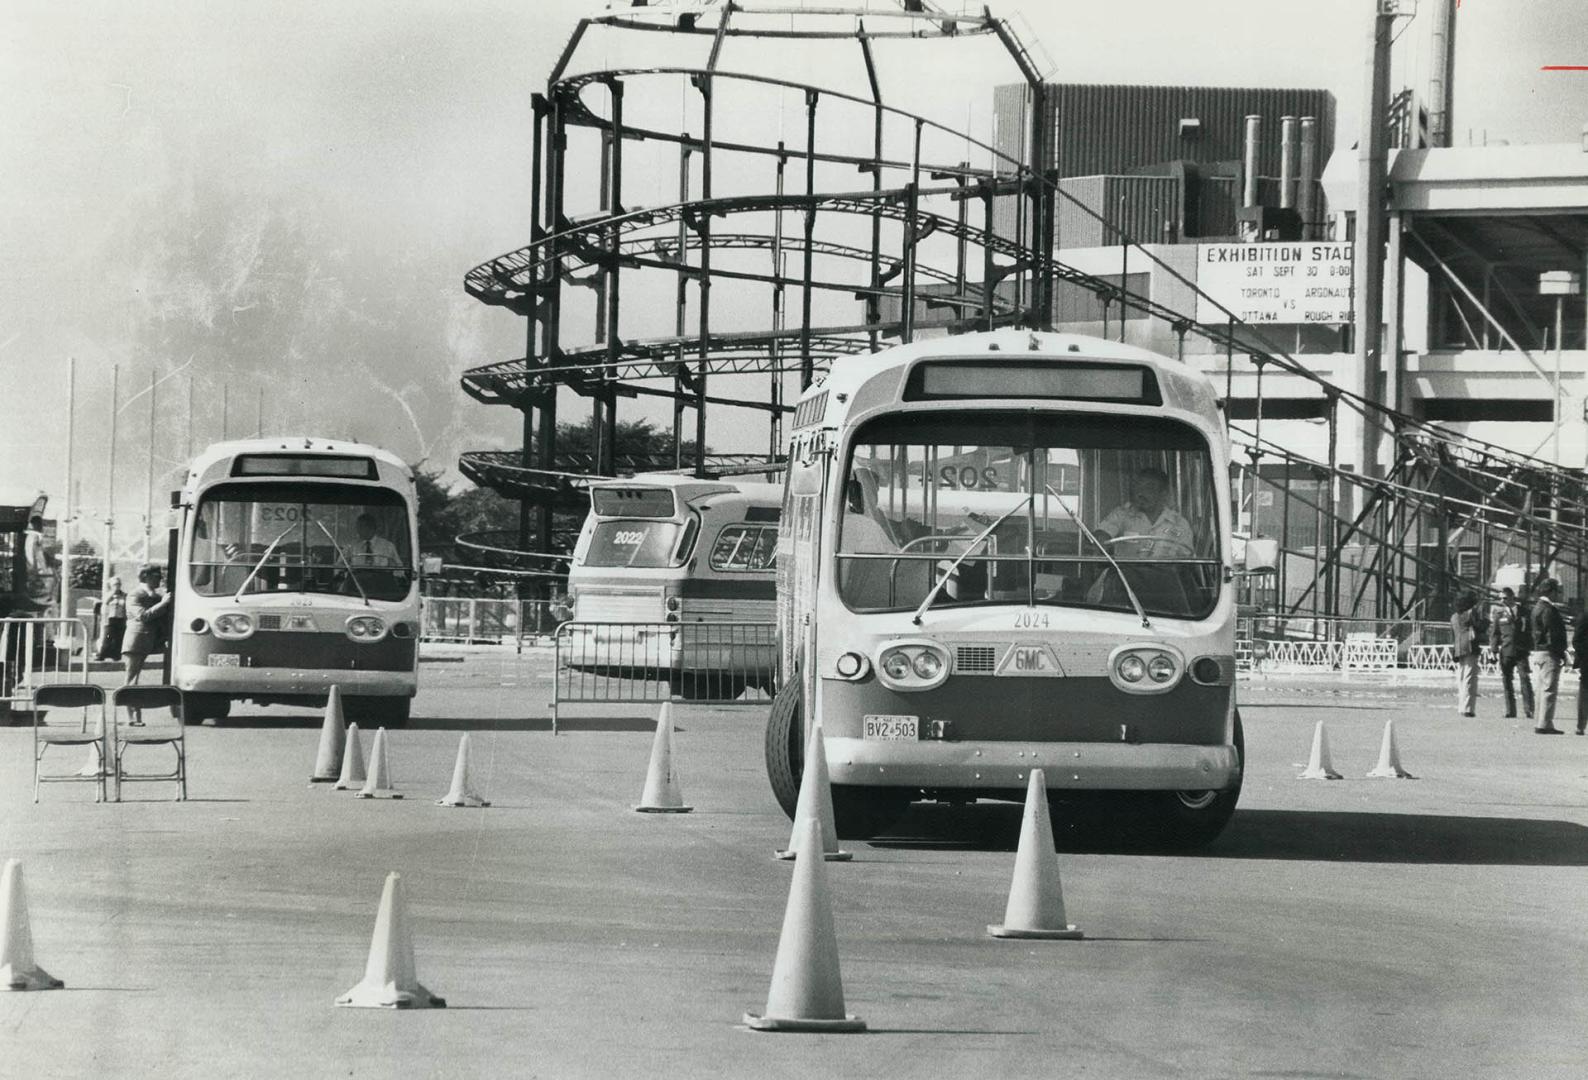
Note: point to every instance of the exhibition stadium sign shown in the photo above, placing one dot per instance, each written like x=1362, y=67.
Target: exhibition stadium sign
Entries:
x=1306, y=282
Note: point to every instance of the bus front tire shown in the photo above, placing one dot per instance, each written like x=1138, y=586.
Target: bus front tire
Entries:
x=1193, y=819
x=785, y=750
x=390, y=711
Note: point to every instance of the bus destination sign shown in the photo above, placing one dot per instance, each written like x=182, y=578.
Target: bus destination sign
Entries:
x=1307, y=282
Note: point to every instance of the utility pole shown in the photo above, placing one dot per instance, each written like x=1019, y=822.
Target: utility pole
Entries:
x=148, y=494
x=1371, y=226
x=110, y=477
x=65, y=520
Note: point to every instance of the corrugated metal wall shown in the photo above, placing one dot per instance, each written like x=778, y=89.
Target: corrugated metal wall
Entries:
x=1112, y=129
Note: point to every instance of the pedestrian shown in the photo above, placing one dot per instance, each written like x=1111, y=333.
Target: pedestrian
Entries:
x=1579, y=660
x=146, y=610
x=1466, y=649
x=113, y=609
x=1549, y=652
x=1512, y=644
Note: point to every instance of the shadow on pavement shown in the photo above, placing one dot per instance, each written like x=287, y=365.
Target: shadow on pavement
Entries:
x=457, y=723
x=1342, y=836
x=1322, y=836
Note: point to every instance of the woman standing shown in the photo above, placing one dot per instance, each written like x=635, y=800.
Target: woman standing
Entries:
x=114, y=611
x=146, y=609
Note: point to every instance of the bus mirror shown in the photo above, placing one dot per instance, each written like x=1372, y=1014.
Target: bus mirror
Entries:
x=1262, y=555
x=430, y=565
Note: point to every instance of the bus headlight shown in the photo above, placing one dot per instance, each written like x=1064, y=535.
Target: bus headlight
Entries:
x=896, y=665
x=366, y=628
x=1145, y=669
x=233, y=625
x=913, y=665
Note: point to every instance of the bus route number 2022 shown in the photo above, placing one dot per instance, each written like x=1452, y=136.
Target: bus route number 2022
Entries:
x=1031, y=619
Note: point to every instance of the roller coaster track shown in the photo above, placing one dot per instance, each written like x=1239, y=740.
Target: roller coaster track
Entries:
x=516, y=279
x=566, y=486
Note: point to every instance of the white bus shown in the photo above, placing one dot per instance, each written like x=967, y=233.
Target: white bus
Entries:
x=295, y=572
x=660, y=553
x=1003, y=551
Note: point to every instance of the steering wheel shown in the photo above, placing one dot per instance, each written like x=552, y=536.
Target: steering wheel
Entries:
x=1187, y=548
x=936, y=536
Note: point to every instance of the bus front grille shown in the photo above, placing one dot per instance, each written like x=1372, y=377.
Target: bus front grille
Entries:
x=975, y=659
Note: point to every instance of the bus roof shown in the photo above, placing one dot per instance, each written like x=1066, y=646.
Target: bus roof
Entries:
x=690, y=488
x=1183, y=387
x=216, y=453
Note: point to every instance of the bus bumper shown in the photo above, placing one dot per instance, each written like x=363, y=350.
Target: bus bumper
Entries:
x=275, y=682
x=1077, y=766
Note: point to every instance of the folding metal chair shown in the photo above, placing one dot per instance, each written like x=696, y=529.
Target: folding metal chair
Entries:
x=172, y=733
x=48, y=733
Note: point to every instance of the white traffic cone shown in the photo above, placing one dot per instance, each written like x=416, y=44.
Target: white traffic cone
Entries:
x=807, y=992
x=1318, y=766
x=662, y=794
x=1389, y=757
x=389, y=980
x=353, y=775
x=1036, y=898
x=17, y=969
x=462, y=793
x=328, y=761
x=815, y=802
x=378, y=783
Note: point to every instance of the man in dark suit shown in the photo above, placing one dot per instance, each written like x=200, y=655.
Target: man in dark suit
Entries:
x=1549, y=652
x=1512, y=643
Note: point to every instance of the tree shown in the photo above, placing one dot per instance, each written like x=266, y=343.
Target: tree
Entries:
x=88, y=572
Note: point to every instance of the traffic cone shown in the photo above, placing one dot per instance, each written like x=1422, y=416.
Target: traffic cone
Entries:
x=815, y=802
x=389, y=981
x=353, y=774
x=328, y=762
x=1318, y=767
x=378, y=782
x=807, y=992
x=17, y=969
x=1389, y=757
x=661, y=795
x=1036, y=899
x=462, y=793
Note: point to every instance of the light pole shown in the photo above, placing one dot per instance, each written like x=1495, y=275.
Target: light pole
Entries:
x=1559, y=284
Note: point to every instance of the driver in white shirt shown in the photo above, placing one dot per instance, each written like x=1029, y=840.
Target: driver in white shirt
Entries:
x=370, y=549
x=1147, y=527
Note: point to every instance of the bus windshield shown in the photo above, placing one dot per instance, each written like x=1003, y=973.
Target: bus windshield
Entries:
x=317, y=538
x=640, y=543
x=921, y=487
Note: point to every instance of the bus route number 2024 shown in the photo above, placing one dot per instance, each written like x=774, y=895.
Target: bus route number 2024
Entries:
x=1031, y=620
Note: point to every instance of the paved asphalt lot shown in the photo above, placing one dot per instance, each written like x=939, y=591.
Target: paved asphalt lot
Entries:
x=1359, y=928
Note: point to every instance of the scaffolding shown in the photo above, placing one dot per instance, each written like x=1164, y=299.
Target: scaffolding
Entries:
x=1390, y=548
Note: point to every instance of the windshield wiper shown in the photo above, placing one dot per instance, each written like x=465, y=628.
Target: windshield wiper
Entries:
x=1082, y=525
x=974, y=544
x=238, y=596
x=339, y=554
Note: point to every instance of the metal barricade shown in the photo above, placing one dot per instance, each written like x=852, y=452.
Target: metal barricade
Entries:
x=36, y=652
x=709, y=663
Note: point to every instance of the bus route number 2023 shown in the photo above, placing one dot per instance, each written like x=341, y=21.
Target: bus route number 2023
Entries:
x=1031, y=619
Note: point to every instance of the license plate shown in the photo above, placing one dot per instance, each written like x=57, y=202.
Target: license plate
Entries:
x=223, y=660
x=891, y=728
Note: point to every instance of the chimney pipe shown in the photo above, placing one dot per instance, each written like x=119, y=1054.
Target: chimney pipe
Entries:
x=1306, y=180
x=1287, y=162
x=1254, y=131
x=1441, y=91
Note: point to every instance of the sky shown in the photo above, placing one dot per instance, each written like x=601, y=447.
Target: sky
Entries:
x=269, y=207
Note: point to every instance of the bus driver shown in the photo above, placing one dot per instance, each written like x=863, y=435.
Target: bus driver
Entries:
x=370, y=549
x=1147, y=527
